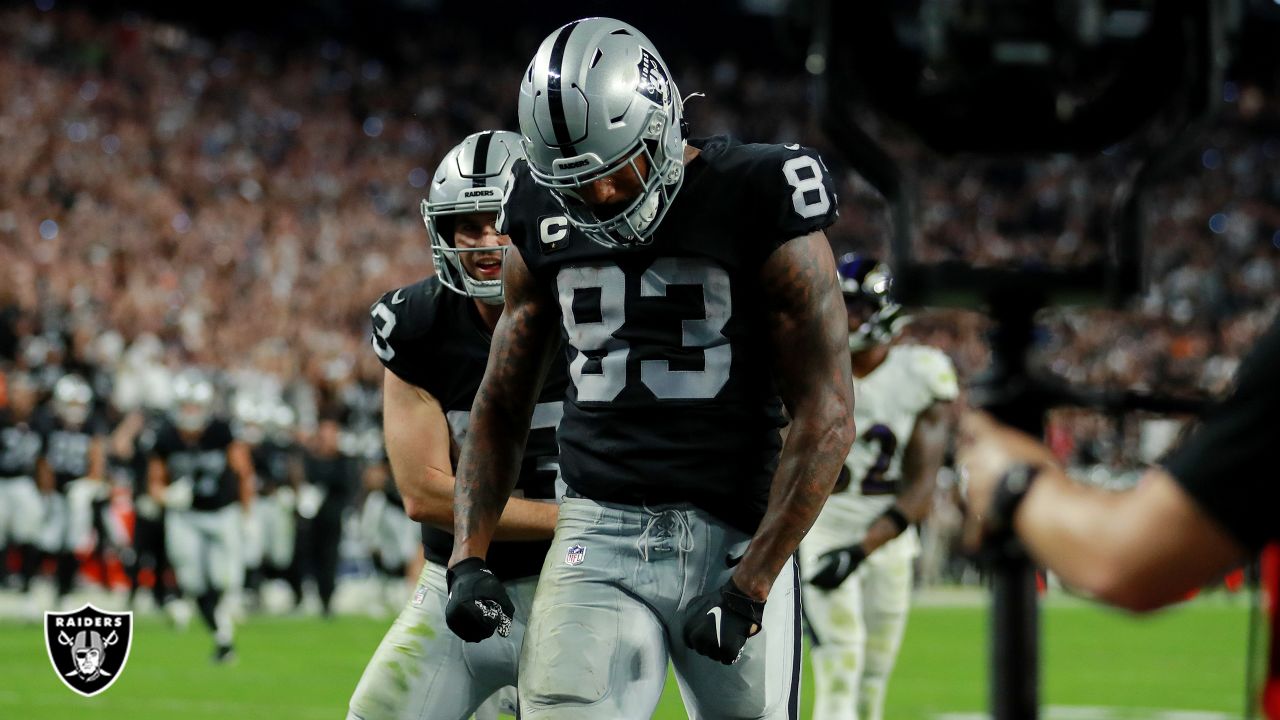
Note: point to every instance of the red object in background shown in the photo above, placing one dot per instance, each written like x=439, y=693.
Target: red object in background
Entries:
x=1271, y=598
x=1060, y=440
x=1234, y=580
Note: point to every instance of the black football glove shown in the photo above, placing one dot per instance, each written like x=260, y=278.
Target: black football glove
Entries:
x=478, y=603
x=836, y=566
x=721, y=623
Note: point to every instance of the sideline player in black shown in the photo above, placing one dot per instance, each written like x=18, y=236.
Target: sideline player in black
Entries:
x=433, y=338
x=20, y=505
x=266, y=426
x=204, y=479
x=129, y=447
x=73, y=448
x=697, y=294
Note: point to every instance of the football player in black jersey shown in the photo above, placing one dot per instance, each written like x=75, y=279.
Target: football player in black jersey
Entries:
x=433, y=337
x=698, y=296
x=128, y=449
x=204, y=479
x=73, y=465
x=20, y=451
x=266, y=426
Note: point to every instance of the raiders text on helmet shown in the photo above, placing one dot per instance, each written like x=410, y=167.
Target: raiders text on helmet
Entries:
x=595, y=99
x=470, y=179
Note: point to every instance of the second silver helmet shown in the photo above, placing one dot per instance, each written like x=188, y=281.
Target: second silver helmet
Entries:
x=470, y=179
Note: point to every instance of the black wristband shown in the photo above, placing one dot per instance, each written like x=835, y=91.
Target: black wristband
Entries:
x=1009, y=494
x=895, y=515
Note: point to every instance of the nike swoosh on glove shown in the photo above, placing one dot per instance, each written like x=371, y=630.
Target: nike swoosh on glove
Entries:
x=721, y=622
x=478, y=603
x=836, y=566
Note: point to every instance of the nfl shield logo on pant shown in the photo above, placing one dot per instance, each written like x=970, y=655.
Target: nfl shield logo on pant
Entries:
x=575, y=555
x=88, y=647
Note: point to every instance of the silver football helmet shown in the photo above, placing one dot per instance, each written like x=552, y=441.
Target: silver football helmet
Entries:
x=72, y=398
x=192, y=401
x=470, y=179
x=595, y=99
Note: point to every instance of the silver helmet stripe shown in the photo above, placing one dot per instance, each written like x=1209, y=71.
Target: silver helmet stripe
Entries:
x=480, y=163
x=559, y=124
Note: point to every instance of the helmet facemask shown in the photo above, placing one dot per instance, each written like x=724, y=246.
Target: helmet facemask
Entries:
x=447, y=257
x=869, y=292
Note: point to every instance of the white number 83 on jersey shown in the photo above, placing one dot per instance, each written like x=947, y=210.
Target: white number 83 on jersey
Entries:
x=596, y=338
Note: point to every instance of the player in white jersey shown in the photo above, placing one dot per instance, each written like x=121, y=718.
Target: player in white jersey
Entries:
x=857, y=559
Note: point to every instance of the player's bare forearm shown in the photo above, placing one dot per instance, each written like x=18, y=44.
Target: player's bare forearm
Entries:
x=418, y=449
x=1139, y=550
x=241, y=462
x=98, y=458
x=809, y=336
x=45, y=481
x=519, y=356
x=921, y=460
x=157, y=478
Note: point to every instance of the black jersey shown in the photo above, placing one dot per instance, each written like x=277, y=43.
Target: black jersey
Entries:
x=434, y=338
x=203, y=463
x=672, y=396
x=67, y=448
x=272, y=465
x=1225, y=464
x=20, y=447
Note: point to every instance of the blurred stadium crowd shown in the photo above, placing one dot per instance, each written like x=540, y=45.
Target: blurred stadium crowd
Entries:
x=171, y=202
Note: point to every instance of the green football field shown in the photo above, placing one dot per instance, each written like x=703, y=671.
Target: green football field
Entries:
x=1188, y=659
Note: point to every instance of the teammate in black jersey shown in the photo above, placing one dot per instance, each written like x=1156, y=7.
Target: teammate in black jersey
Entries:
x=265, y=425
x=433, y=338
x=20, y=504
x=204, y=478
x=72, y=450
x=697, y=295
x=128, y=449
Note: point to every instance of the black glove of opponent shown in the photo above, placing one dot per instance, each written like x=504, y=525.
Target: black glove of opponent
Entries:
x=836, y=566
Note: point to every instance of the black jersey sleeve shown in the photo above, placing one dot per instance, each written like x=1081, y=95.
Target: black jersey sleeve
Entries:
x=789, y=194
x=1225, y=463
x=401, y=319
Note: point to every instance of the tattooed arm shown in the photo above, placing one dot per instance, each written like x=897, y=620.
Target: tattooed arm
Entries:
x=809, y=338
x=524, y=343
